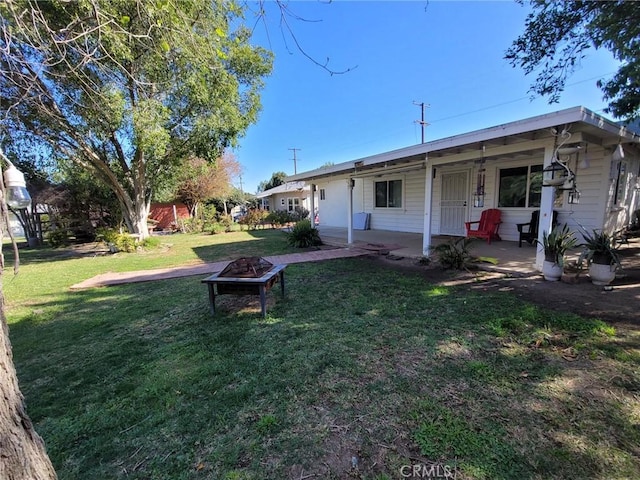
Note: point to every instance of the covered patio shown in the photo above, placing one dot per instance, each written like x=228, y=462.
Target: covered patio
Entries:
x=510, y=257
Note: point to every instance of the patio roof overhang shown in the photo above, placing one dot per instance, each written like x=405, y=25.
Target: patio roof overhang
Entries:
x=513, y=140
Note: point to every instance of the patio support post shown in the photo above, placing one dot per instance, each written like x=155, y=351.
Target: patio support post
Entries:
x=428, y=188
x=312, y=206
x=546, y=209
x=350, y=182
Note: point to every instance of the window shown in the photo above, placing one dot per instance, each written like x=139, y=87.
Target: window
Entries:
x=322, y=194
x=282, y=203
x=292, y=204
x=520, y=186
x=389, y=194
x=621, y=183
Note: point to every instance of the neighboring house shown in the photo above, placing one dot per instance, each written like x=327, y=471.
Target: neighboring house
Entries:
x=433, y=188
x=287, y=197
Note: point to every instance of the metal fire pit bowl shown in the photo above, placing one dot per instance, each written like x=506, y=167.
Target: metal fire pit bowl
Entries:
x=245, y=276
x=247, y=267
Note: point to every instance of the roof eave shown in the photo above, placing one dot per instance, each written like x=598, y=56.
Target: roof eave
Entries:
x=541, y=122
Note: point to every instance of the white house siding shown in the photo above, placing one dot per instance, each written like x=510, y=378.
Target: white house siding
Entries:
x=408, y=218
x=333, y=209
x=275, y=202
x=623, y=192
x=591, y=178
x=589, y=213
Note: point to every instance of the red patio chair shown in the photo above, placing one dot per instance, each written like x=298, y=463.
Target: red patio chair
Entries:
x=487, y=225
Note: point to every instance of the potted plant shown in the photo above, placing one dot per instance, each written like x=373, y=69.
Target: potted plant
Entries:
x=555, y=245
x=601, y=254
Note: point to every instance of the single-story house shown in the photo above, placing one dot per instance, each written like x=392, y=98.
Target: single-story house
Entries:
x=434, y=187
x=287, y=197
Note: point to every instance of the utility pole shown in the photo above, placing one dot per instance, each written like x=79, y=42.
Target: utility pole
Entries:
x=295, y=160
x=241, y=184
x=422, y=123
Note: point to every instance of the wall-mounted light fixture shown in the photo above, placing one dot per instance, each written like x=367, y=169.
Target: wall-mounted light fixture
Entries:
x=478, y=195
x=574, y=196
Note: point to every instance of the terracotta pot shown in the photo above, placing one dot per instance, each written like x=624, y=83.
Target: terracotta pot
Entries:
x=551, y=271
x=602, y=274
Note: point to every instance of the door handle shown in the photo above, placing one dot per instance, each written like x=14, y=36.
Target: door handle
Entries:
x=464, y=204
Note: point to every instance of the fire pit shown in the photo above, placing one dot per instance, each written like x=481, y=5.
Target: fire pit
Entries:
x=247, y=267
x=245, y=276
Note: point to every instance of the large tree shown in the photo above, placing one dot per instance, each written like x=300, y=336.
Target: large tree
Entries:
x=558, y=35
x=22, y=452
x=128, y=89
x=277, y=178
x=200, y=180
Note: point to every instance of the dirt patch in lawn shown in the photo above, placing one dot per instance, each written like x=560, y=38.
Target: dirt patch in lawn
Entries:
x=618, y=304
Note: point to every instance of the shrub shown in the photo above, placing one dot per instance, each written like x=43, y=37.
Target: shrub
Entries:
x=279, y=218
x=303, y=235
x=107, y=235
x=216, y=228
x=300, y=213
x=455, y=254
x=226, y=222
x=125, y=243
x=58, y=238
x=253, y=218
x=192, y=225
x=118, y=242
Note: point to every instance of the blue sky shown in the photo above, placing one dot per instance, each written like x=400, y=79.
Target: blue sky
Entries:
x=447, y=54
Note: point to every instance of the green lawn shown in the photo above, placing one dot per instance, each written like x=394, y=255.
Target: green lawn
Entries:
x=359, y=372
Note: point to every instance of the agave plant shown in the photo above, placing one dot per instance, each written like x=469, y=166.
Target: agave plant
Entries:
x=556, y=243
x=601, y=248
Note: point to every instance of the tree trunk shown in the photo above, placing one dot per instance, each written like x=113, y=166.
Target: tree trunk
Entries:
x=22, y=451
x=135, y=216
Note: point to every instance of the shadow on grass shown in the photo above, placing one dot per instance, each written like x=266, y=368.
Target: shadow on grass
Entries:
x=262, y=243
x=139, y=380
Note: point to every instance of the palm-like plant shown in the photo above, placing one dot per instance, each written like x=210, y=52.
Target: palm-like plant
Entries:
x=556, y=243
x=601, y=248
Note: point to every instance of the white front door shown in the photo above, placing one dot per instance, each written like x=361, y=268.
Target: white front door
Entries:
x=453, y=203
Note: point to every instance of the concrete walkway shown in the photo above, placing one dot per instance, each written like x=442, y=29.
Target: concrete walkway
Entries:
x=118, y=278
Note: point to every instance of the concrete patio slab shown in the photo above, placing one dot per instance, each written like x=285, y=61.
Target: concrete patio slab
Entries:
x=511, y=258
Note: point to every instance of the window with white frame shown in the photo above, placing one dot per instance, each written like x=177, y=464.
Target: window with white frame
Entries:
x=388, y=194
x=322, y=194
x=520, y=186
x=292, y=204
